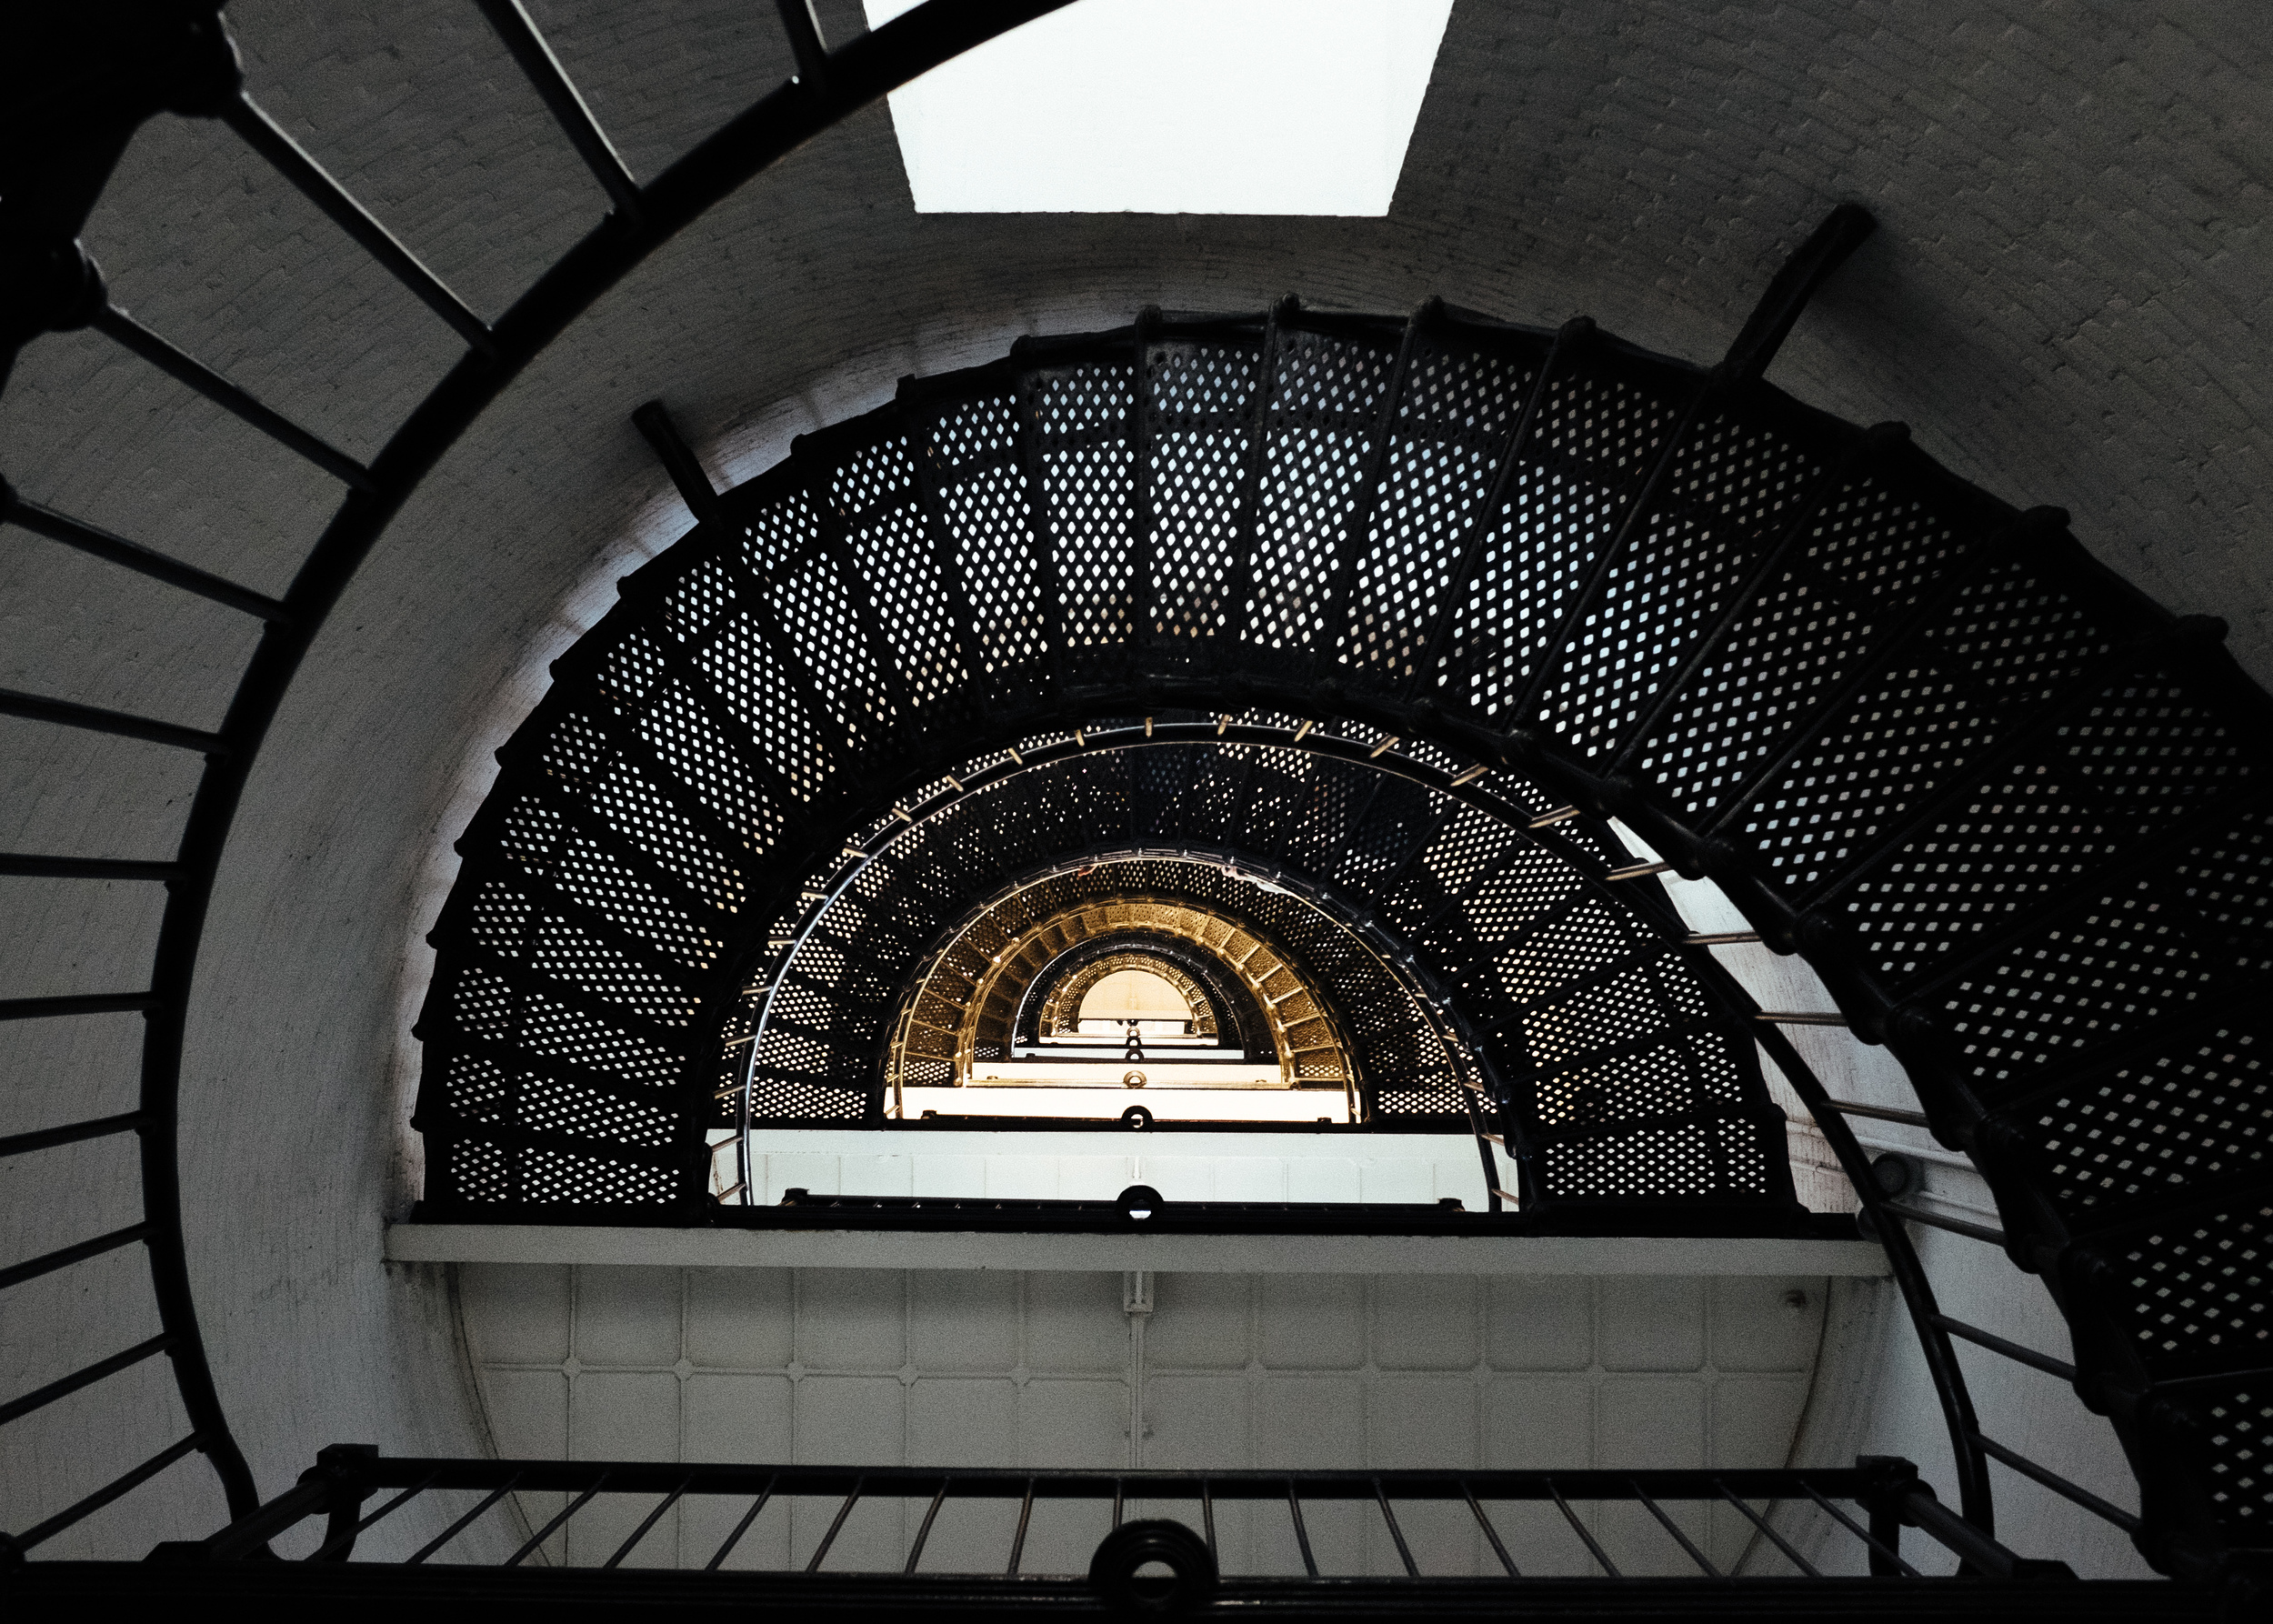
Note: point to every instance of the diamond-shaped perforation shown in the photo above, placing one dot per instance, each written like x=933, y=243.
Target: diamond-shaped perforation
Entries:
x=750, y=682
x=552, y=1176
x=1400, y=813
x=479, y=1172
x=1193, y=384
x=1718, y=1073
x=549, y=1028
x=794, y=1001
x=1624, y=1009
x=593, y=875
x=1596, y=434
x=499, y=919
x=987, y=522
x=477, y=1086
x=1305, y=497
x=1430, y=494
x=1093, y=520
x=2197, y=1292
x=1574, y=942
x=1738, y=478
x=2140, y=756
x=790, y=1052
x=1434, y=754
x=1274, y=796
x=701, y=756
x=1776, y=665
x=1156, y=778
x=1323, y=378
x=638, y=812
x=1419, y=1093
x=2199, y=1112
x=1321, y=822
x=575, y=751
x=529, y=833
x=895, y=555
x=560, y=1105
x=1215, y=808
x=2123, y=962
x=815, y=607
x=1653, y=1083
x=791, y=1098
x=823, y=960
x=1453, y=389
x=1657, y=598
x=1882, y=546
x=874, y=473
x=566, y=953
x=1608, y=422
x=778, y=533
x=1084, y=401
x=1518, y=896
x=1197, y=503
x=483, y=1005
x=2145, y=950
x=1659, y=1161
x=972, y=430
x=2236, y=1437
x=1456, y=854
x=1721, y=507
x=694, y=601
x=1747, y=1152
x=1538, y=547
x=1870, y=557
x=629, y=669
x=2227, y=879
x=2006, y=644
x=813, y=1048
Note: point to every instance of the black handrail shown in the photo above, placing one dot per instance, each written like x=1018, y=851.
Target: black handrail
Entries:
x=827, y=86
x=189, y=63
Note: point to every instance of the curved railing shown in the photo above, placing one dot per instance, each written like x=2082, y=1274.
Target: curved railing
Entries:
x=85, y=82
x=2005, y=806
x=2148, y=740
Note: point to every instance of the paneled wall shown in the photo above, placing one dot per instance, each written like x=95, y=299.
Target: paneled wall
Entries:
x=1046, y=1166
x=988, y=1368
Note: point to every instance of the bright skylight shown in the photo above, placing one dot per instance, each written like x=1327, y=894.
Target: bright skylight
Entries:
x=1174, y=108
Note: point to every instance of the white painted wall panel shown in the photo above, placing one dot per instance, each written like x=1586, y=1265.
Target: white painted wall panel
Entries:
x=1088, y=1166
x=1226, y=1371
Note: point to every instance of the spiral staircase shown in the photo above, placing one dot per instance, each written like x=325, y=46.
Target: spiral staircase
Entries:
x=1415, y=619
x=2008, y=809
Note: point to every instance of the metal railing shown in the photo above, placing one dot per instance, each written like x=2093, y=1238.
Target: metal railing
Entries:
x=1869, y=1504
x=113, y=74
x=186, y=64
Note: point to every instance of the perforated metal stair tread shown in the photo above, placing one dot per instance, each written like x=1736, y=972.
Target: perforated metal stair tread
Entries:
x=2010, y=808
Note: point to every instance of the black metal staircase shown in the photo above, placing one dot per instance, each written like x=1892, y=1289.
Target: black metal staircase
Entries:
x=1276, y=588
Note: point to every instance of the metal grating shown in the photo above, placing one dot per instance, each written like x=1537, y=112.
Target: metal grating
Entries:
x=2012, y=809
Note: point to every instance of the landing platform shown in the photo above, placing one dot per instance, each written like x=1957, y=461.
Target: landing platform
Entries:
x=1158, y=1253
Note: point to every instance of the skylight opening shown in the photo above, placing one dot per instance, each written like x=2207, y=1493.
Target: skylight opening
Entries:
x=1174, y=108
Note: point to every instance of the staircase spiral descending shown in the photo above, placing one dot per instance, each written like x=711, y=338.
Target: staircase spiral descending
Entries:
x=84, y=80
x=1441, y=580
x=1285, y=583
